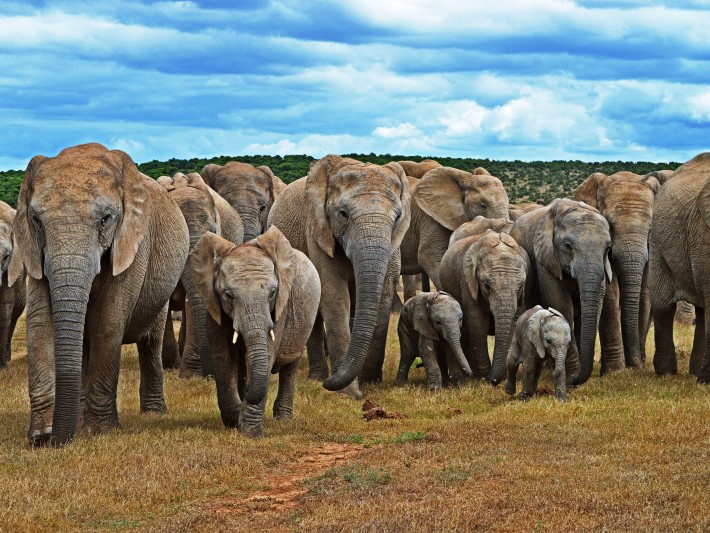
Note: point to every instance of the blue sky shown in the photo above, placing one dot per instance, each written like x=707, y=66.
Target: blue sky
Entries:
x=545, y=79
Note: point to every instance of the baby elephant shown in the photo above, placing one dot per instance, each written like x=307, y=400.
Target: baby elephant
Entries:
x=541, y=336
x=425, y=319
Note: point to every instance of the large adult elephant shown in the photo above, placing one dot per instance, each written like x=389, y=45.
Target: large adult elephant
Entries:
x=349, y=218
x=626, y=201
x=569, y=243
x=104, y=246
x=12, y=299
x=204, y=210
x=250, y=190
x=442, y=200
x=679, y=264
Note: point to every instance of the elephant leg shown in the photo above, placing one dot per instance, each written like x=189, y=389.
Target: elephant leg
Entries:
x=40, y=359
x=511, y=366
x=697, y=353
x=226, y=369
x=410, y=286
x=428, y=355
x=644, y=314
x=425, y=283
x=612, y=347
x=529, y=382
x=150, y=348
x=448, y=364
x=191, y=364
x=283, y=405
x=664, y=360
x=171, y=357
x=407, y=355
x=476, y=324
x=315, y=346
x=102, y=379
x=396, y=300
x=372, y=369
x=182, y=333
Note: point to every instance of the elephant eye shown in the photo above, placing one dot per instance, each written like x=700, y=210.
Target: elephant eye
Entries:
x=568, y=246
x=343, y=215
x=262, y=208
x=548, y=341
x=105, y=220
x=484, y=206
x=272, y=293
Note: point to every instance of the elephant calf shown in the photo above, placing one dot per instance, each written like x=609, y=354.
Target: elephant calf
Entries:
x=424, y=321
x=541, y=336
x=12, y=299
x=262, y=298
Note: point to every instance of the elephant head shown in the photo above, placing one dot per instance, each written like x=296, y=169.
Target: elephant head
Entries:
x=626, y=201
x=417, y=170
x=438, y=315
x=495, y=268
x=360, y=210
x=661, y=175
x=549, y=333
x=572, y=238
x=248, y=285
x=453, y=197
x=7, y=244
x=250, y=191
x=479, y=225
x=85, y=209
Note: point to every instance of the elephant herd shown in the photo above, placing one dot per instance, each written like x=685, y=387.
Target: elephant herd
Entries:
x=101, y=254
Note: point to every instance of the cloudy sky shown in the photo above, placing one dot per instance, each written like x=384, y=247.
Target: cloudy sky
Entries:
x=546, y=79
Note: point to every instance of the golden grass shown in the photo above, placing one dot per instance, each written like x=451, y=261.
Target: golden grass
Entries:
x=627, y=452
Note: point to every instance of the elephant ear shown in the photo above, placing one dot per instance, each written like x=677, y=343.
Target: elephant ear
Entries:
x=533, y=330
x=405, y=197
x=543, y=245
x=136, y=216
x=316, y=196
x=275, y=243
x=588, y=189
x=208, y=173
x=27, y=249
x=276, y=184
x=421, y=316
x=167, y=183
x=440, y=195
x=652, y=183
x=194, y=180
x=204, y=260
x=470, y=266
x=480, y=171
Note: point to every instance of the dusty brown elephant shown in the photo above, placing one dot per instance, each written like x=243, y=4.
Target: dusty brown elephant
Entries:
x=104, y=246
x=250, y=191
x=487, y=274
x=262, y=297
x=349, y=218
x=517, y=210
x=204, y=210
x=480, y=225
x=442, y=200
x=12, y=299
x=418, y=169
x=626, y=201
x=569, y=244
x=679, y=265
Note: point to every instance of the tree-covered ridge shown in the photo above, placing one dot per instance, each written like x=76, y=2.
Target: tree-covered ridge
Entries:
x=534, y=181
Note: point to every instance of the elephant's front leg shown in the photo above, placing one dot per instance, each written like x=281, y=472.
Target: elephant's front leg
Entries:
x=410, y=286
x=372, y=368
x=529, y=378
x=476, y=325
x=511, y=366
x=431, y=364
x=283, y=405
x=191, y=364
x=150, y=348
x=225, y=377
x=315, y=347
x=407, y=355
x=171, y=357
x=697, y=353
x=102, y=376
x=612, y=348
x=40, y=358
x=702, y=322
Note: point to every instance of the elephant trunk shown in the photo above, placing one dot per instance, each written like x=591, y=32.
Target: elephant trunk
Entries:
x=503, y=324
x=257, y=360
x=252, y=221
x=70, y=279
x=631, y=266
x=370, y=254
x=592, y=288
x=560, y=356
x=452, y=334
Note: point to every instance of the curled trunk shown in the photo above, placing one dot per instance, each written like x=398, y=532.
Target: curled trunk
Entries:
x=454, y=339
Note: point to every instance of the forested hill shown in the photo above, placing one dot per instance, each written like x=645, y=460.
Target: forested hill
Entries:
x=537, y=181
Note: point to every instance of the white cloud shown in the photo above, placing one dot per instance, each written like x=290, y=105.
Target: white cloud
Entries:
x=405, y=129
x=700, y=107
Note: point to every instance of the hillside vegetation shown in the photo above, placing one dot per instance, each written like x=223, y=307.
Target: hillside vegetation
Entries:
x=533, y=181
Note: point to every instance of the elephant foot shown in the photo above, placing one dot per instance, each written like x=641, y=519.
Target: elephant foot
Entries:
x=352, y=391
x=39, y=438
x=190, y=373
x=635, y=362
x=510, y=387
x=561, y=398
x=157, y=407
x=283, y=414
x=40, y=430
x=97, y=425
x=704, y=377
x=318, y=374
x=367, y=379
x=524, y=396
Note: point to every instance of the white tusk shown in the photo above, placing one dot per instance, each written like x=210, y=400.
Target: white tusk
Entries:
x=235, y=337
x=271, y=332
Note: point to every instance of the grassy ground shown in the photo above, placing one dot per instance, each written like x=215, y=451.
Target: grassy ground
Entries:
x=627, y=452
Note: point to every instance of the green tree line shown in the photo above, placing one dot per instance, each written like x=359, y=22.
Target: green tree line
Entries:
x=525, y=181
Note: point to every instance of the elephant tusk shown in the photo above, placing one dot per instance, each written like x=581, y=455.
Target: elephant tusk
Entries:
x=271, y=332
x=235, y=337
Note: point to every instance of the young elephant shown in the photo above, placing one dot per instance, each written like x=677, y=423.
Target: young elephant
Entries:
x=479, y=225
x=262, y=297
x=12, y=299
x=424, y=320
x=541, y=336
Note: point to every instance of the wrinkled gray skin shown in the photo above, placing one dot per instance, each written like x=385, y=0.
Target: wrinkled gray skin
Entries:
x=517, y=210
x=12, y=299
x=418, y=169
x=626, y=201
x=542, y=337
x=569, y=244
x=250, y=191
x=104, y=246
x=480, y=225
x=487, y=275
x=430, y=326
x=204, y=210
x=442, y=200
x=349, y=218
x=679, y=264
x=264, y=294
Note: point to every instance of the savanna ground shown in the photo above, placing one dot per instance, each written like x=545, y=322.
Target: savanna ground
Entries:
x=627, y=452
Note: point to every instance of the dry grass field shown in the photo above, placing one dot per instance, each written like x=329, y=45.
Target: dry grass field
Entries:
x=629, y=452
